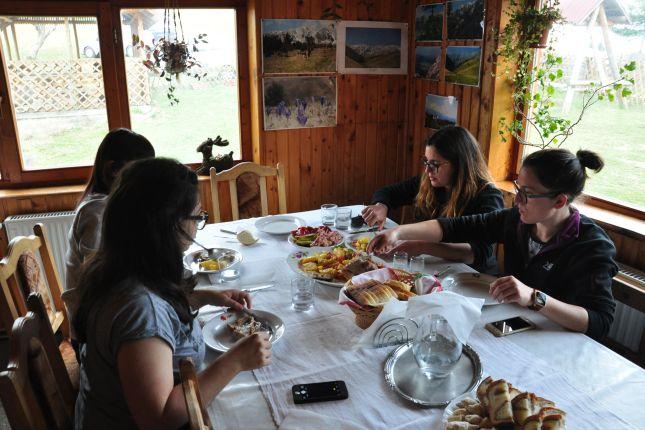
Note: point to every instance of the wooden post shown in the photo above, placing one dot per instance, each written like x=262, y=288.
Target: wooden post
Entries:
x=78, y=50
x=7, y=44
x=68, y=38
x=15, y=40
x=608, y=47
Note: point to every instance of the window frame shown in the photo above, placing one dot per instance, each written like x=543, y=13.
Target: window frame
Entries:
x=108, y=16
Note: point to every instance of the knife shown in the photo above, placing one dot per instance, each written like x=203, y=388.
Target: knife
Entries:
x=365, y=230
x=257, y=288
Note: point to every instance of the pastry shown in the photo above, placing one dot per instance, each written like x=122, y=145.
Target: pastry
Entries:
x=244, y=326
x=461, y=425
x=481, y=391
x=534, y=422
x=552, y=418
x=522, y=406
x=499, y=403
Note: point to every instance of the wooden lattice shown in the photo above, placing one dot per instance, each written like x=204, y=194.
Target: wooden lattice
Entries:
x=65, y=85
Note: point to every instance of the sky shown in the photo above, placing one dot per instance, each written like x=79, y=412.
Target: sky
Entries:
x=373, y=36
x=443, y=107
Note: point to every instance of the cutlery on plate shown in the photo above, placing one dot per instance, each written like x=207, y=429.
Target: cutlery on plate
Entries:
x=228, y=231
x=257, y=288
x=443, y=272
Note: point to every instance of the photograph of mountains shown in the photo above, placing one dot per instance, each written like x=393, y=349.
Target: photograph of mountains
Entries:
x=298, y=45
x=372, y=48
x=429, y=22
x=427, y=63
x=440, y=111
x=463, y=65
x=465, y=19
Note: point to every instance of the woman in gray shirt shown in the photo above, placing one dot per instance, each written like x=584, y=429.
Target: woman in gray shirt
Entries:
x=135, y=317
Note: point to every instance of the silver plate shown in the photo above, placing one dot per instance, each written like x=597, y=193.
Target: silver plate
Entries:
x=403, y=375
x=191, y=259
x=219, y=337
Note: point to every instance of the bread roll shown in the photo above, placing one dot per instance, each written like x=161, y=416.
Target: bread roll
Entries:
x=499, y=403
x=377, y=295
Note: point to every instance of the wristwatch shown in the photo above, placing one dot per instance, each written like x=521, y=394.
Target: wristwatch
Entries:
x=538, y=300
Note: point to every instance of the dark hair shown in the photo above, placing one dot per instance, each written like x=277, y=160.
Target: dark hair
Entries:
x=140, y=238
x=561, y=171
x=458, y=146
x=119, y=146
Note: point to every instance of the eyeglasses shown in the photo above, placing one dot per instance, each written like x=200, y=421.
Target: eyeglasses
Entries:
x=432, y=165
x=523, y=197
x=201, y=219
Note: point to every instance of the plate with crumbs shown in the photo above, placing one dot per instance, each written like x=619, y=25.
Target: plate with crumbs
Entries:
x=218, y=336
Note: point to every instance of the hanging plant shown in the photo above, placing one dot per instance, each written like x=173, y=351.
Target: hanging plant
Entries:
x=171, y=56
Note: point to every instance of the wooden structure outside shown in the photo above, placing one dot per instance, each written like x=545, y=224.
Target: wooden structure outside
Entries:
x=231, y=176
x=197, y=414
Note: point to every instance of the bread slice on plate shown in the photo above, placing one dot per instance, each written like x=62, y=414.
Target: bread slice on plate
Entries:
x=245, y=326
x=534, y=422
x=552, y=419
x=499, y=403
x=481, y=391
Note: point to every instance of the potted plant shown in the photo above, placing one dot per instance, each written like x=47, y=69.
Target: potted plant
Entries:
x=528, y=25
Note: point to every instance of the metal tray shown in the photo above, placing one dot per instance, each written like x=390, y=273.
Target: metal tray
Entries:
x=404, y=376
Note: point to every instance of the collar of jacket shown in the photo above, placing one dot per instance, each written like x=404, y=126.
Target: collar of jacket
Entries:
x=568, y=234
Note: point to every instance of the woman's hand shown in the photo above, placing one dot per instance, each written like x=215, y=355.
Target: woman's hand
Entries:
x=375, y=215
x=251, y=352
x=235, y=299
x=508, y=290
x=384, y=241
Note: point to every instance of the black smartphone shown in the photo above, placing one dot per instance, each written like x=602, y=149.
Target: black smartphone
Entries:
x=319, y=392
x=509, y=326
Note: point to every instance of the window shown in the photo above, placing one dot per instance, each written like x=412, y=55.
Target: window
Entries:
x=615, y=129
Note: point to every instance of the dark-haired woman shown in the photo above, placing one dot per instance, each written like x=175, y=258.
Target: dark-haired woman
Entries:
x=557, y=261
x=455, y=182
x=118, y=147
x=135, y=319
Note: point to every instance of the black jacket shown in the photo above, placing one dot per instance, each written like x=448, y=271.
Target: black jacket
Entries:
x=576, y=266
x=488, y=200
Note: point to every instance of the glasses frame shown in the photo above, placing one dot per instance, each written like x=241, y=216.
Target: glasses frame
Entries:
x=524, y=197
x=432, y=165
x=201, y=219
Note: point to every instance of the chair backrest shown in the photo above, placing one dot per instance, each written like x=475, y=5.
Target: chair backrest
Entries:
x=231, y=176
x=197, y=416
x=20, y=275
x=35, y=388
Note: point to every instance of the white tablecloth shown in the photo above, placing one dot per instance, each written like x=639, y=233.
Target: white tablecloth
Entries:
x=590, y=373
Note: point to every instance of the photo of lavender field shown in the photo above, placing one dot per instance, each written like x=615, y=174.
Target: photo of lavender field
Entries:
x=299, y=102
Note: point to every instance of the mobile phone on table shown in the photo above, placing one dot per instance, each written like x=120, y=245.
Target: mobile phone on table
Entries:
x=509, y=326
x=319, y=392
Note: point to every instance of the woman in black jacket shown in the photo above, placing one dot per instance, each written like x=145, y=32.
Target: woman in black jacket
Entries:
x=455, y=182
x=558, y=262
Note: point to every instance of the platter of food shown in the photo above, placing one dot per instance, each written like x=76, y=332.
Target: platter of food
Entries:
x=223, y=331
x=470, y=285
x=359, y=241
x=320, y=238
x=279, y=224
x=200, y=261
x=334, y=267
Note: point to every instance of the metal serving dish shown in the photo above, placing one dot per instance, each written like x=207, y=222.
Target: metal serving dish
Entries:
x=403, y=375
x=192, y=259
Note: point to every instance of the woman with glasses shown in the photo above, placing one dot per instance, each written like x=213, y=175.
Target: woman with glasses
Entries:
x=136, y=320
x=455, y=182
x=557, y=261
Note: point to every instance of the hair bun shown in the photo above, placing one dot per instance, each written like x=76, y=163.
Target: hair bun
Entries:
x=590, y=160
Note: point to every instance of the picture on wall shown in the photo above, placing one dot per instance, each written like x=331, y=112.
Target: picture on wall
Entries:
x=465, y=19
x=463, y=65
x=366, y=47
x=428, y=23
x=440, y=111
x=298, y=46
x=427, y=62
x=299, y=102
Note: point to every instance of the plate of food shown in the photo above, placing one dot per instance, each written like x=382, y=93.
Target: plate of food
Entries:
x=359, y=241
x=333, y=267
x=223, y=331
x=201, y=261
x=279, y=224
x=470, y=285
x=315, y=237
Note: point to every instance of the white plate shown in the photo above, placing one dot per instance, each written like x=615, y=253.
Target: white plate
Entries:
x=470, y=285
x=452, y=406
x=279, y=224
x=219, y=337
x=191, y=263
x=314, y=248
x=352, y=237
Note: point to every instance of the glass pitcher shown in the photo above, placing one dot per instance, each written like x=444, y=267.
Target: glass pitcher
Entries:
x=436, y=348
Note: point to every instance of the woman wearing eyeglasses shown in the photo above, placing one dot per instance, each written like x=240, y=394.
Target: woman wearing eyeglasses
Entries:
x=557, y=261
x=455, y=182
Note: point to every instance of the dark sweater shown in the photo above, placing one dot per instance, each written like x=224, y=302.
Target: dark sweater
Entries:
x=576, y=266
x=488, y=200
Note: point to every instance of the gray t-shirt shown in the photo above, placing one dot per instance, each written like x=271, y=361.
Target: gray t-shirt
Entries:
x=140, y=314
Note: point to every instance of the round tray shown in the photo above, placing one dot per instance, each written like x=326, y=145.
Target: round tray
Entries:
x=191, y=259
x=404, y=376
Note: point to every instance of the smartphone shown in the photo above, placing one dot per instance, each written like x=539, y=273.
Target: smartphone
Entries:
x=509, y=326
x=319, y=392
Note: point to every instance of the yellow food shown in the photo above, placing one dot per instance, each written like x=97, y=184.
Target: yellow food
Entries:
x=361, y=243
x=209, y=265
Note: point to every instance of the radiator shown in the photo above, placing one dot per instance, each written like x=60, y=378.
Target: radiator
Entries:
x=629, y=323
x=57, y=225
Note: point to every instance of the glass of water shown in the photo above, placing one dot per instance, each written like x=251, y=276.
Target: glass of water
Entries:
x=302, y=294
x=400, y=260
x=343, y=218
x=436, y=348
x=418, y=264
x=328, y=213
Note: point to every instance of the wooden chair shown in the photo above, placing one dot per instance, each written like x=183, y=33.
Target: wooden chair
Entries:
x=231, y=176
x=197, y=416
x=35, y=388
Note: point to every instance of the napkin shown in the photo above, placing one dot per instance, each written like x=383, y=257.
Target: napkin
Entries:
x=462, y=313
x=298, y=419
x=392, y=309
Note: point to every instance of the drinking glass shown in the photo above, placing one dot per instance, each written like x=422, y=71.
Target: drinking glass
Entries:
x=400, y=260
x=328, y=213
x=418, y=264
x=343, y=218
x=302, y=294
x=436, y=348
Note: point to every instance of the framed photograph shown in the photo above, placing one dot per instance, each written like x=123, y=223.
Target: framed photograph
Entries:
x=427, y=62
x=465, y=19
x=440, y=111
x=463, y=64
x=299, y=102
x=366, y=47
x=298, y=46
x=428, y=23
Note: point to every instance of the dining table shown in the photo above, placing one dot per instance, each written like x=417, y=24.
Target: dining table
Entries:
x=597, y=388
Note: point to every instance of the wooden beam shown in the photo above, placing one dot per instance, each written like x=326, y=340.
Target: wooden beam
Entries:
x=604, y=25
x=78, y=50
x=6, y=41
x=15, y=40
x=68, y=38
